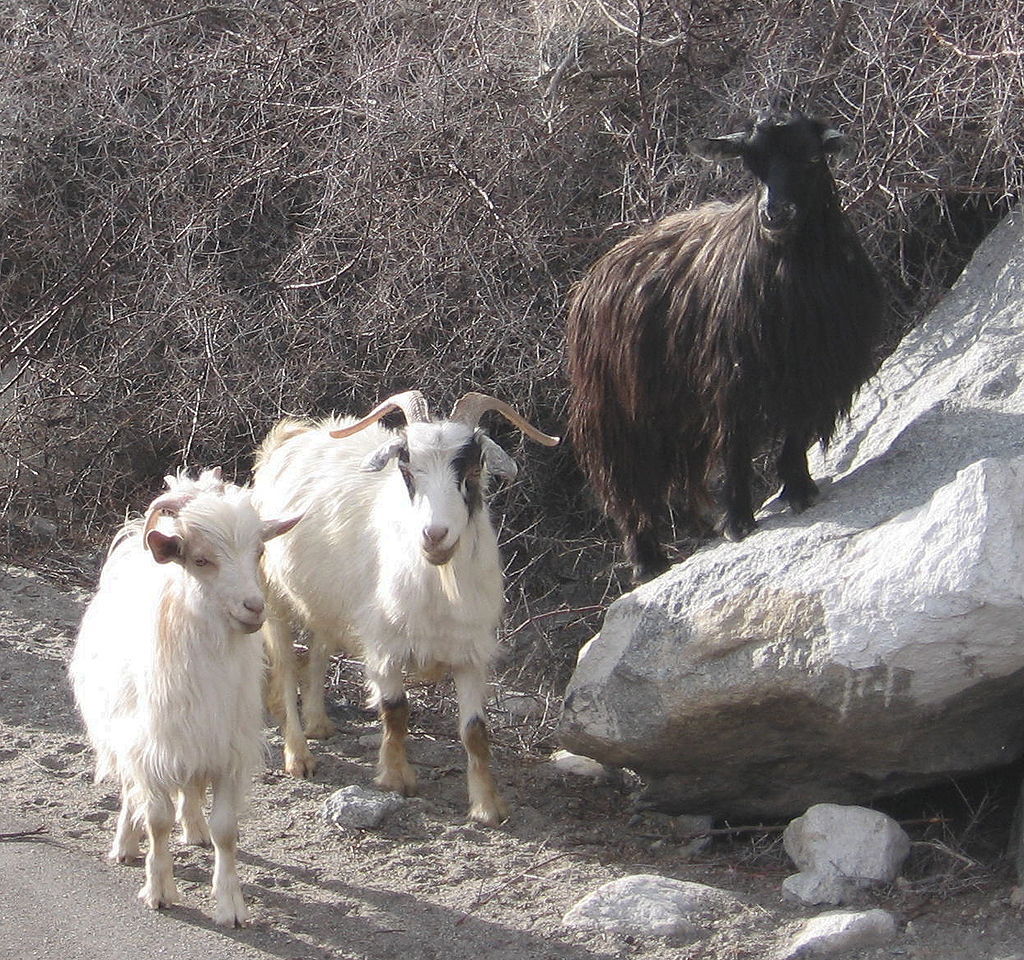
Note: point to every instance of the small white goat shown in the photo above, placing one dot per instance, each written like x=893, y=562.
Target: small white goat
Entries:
x=397, y=563
x=167, y=673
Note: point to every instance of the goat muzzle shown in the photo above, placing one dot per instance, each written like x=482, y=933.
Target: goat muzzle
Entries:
x=438, y=556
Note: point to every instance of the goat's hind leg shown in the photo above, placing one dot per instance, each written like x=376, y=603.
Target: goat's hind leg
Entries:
x=194, y=830
x=639, y=531
x=314, y=712
x=283, y=695
x=798, y=489
x=159, y=889
x=636, y=503
x=485, y=805
x=387, y=691
x=128, y=832
x=229, y=905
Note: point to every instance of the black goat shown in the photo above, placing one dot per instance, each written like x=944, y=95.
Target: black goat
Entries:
x=716, y=331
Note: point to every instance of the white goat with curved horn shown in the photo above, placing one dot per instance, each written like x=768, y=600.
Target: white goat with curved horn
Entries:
x=166, y=672
x=398, y=564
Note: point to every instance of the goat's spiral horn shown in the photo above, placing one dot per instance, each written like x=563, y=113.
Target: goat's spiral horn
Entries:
x=411, y=403
x=472, y=406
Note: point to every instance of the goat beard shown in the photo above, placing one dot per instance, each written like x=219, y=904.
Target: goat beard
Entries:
x=449, y=583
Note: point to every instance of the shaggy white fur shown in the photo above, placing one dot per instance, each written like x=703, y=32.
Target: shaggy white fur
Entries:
x=167, y=674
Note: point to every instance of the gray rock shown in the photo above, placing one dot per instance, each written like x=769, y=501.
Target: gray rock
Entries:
x=527, y=706
x=876, y=642
x=842, y=850
x=648, y=905
x=357, y=807
x=840, y=931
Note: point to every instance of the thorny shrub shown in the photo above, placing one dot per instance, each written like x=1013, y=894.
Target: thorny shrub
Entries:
x=217, y=215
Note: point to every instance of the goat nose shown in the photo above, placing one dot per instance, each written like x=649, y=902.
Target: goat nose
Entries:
x=779, y=214
x=434, y=534
x=253, y=605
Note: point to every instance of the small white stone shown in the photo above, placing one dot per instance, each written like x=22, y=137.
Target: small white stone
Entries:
x=812, y=888
x=565, y=762
x=359, y=807
x=648, y=905
x=839, y=931
x=841, y=849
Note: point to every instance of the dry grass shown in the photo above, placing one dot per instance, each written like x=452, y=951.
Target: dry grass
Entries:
x=213, y=216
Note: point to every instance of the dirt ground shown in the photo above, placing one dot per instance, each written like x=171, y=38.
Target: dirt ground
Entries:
x=427, y=884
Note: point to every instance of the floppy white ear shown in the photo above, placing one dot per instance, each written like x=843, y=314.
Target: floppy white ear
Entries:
x=164, y=547
x=383, y=455
x=499, y=463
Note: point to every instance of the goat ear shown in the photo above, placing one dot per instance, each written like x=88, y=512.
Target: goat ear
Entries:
x=717, y=149
x=164, y=548
x=498, y=462
x=383, y=455
x=274, y=528
x=836, y=143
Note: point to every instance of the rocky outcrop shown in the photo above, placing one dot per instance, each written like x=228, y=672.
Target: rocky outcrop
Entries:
x=876, y=642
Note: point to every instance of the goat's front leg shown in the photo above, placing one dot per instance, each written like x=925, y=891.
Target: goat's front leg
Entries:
x=485, y=806
x=283, y=695
x=128, y=832
x=798, y=489
x=387, y=691
x=229, y=905
x=194, y=830
x=739, y=508
x=159, y=889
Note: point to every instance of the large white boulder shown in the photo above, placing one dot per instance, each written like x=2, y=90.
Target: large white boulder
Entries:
x=876, y=642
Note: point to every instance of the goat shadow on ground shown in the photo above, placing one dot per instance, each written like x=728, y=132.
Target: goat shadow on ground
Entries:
x=406, y=926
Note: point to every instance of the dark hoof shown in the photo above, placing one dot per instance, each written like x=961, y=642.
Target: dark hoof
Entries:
x=800, y=497
x=736, y=530
x=642, y=573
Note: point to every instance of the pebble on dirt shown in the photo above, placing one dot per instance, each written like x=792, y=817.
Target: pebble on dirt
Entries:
x=839, y=931
x=648, y=905
x=562, y=761
x=357, y=807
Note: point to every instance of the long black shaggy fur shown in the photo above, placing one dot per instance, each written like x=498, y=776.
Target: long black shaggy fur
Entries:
x=709, y=334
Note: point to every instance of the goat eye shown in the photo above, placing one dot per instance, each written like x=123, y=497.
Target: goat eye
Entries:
x=201, y=562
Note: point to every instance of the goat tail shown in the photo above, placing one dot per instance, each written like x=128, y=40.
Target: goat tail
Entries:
x=279, y=434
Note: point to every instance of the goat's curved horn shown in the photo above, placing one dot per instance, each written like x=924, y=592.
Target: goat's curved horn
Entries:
x=471, y=407
x=169, y=503
x=412, y=403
